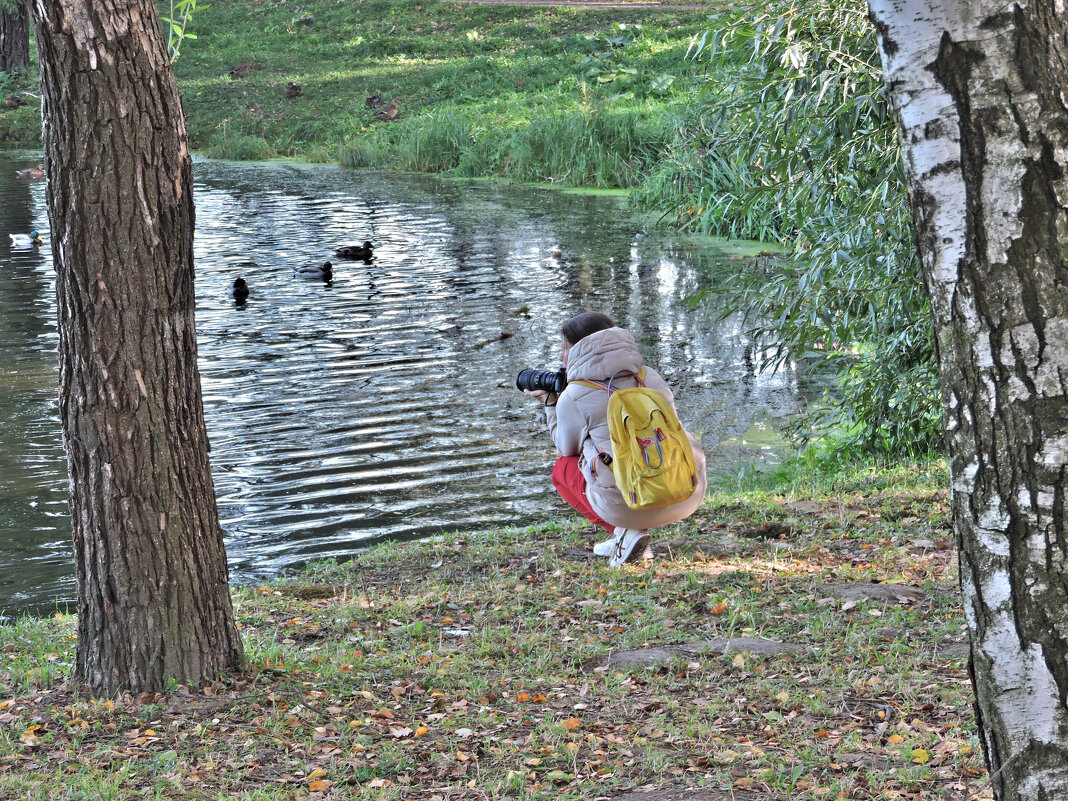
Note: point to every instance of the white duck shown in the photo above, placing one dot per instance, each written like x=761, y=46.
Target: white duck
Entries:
x=30, y=240
x=324, y=273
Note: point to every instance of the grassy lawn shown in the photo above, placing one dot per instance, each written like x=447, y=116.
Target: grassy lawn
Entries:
x=567, y=95
x=517, y=666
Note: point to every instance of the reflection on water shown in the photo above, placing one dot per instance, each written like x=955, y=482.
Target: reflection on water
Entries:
x=382, y=404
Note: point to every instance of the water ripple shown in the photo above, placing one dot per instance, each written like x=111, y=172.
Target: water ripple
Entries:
x=379, y=405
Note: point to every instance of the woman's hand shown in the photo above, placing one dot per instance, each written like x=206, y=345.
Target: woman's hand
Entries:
x=548, y=398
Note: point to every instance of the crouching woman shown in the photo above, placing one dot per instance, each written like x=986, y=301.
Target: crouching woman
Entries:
x=600, y=359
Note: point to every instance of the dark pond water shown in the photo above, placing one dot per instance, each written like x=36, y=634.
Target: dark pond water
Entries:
x=381, y=405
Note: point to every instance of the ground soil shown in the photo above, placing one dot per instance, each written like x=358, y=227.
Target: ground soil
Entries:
x=595, y=4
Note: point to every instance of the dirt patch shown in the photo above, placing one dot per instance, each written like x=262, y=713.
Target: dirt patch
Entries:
x=716, y=549
x=309, y=592
x=887, y=593
x=954, y=650
x=656, y=655
x=692, y=794
x=767, y=531
x=652, y=6
x=579, y=554
x=860, y=760
x=701, y=550
x=814, y=507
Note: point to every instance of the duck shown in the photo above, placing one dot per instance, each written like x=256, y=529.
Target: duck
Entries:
x=373, y=102
x=325, y=273
x=240, y=71
x=30, y=240
x=31, y=173
x=389, y=113
x=364, y=251
x=239, y=290
x=293, y=90
x=13, y=101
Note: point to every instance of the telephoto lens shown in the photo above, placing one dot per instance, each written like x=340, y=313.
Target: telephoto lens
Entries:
x=545, y=380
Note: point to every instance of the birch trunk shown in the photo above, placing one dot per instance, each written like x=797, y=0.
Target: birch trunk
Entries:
x=153, y=598
x=979, y=92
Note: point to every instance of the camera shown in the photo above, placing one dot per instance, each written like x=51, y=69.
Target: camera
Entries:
x=545, y=380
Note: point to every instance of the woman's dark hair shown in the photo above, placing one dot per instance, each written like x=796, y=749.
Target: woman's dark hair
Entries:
x=585, y=324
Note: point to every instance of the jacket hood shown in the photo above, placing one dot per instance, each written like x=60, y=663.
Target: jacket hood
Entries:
x=602, y=354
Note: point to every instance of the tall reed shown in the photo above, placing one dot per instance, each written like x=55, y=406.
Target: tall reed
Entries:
x=607, y=149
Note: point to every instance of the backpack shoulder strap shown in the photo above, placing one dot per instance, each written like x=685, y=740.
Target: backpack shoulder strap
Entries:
x=640, y=377
x=588, y=383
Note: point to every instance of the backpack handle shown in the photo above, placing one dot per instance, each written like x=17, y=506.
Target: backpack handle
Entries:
x=645, y=455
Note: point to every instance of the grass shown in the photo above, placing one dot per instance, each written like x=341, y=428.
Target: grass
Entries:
x=477, y=667
x=566, y=95
x=20, y=127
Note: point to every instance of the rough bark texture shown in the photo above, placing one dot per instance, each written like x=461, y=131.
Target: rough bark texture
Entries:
x=14, y=38
x=979, y=90
x=153, y=598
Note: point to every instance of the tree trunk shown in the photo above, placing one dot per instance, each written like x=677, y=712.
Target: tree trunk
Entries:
x=979, y=92
x=14, y=38
x=153, y=598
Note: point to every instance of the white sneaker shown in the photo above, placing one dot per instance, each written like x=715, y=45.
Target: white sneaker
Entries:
x=608, y=546
x=605, y=547
x=629, y=546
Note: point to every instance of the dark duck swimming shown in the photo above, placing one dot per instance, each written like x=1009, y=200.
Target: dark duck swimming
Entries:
x=364, y=251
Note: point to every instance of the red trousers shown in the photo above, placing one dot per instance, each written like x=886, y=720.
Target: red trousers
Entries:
x=571, y=484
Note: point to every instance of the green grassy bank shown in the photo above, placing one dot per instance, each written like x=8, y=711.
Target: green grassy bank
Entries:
x=802, y=640
x=570, y=95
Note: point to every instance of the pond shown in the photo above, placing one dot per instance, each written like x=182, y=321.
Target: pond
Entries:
x=380, y=405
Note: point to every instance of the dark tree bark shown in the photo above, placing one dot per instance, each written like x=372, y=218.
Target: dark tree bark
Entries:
x=153, y=598
x=979, y=90
x=14, y=37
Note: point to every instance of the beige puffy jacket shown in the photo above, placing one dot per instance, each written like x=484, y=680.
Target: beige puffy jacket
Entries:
x=579, y=423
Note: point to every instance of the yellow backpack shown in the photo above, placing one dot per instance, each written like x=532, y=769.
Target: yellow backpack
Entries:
x=651, y=456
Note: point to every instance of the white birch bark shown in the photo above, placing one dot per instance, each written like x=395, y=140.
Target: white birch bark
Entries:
x=979, y=90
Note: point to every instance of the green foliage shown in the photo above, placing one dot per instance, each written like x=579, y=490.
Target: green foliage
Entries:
x=794, y=141
x=20, y=127
x=579, y=148
x=569, y=95
x=480, y=88
x=177, y=23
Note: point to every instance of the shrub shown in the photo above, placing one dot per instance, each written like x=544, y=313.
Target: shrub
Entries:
x=794, y=141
